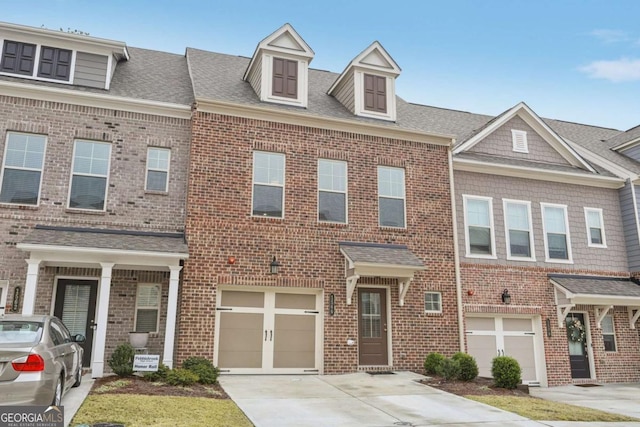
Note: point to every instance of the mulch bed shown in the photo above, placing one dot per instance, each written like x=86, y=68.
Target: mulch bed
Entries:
x=478, y=387
x=137, y=385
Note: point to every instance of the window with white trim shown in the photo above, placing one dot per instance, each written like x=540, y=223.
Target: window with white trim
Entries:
x=268, y=184
x=479, y=231
x=332, y=191
x=147, y=308
x=158, y=160
x=90, y=175
x=519, y=139
x=608, y=333
x=391, y=197
x=595, y=227
x=22, y=168
x=4, y=291
x=519, y=231
x=556, y=233
x=433, y=302
x=54, y=64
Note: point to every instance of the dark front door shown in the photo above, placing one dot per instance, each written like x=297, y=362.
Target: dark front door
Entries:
x=372, y=326
x=577, y=337
x=76, y=307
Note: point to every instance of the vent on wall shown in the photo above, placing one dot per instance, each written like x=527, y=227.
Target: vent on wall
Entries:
x=519, y=141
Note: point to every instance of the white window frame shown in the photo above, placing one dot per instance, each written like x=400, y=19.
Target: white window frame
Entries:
x=345, y=192
x=267, y=80
x=543, y=206
x=601, y=217
x=507, y=236
x=135, y=319
x=4, y=291
x=283, y=185
x=148, y=169
x=612, y=333
x=492, y=230
x=439, y=310
x=358, y=82
x=403, y=198
x=514, y=138
x=36, y=64
x=106, y=188
x=4, y=159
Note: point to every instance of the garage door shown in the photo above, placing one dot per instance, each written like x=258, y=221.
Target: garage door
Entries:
x=488, y=337
x=267, y=332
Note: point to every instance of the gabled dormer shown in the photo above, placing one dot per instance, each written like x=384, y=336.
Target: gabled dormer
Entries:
x=279, y=69
x=367, y=87
x=59, y=57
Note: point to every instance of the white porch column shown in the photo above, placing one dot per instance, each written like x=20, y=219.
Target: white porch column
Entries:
x=172, y=310
x=100, y=333
x=30, y=287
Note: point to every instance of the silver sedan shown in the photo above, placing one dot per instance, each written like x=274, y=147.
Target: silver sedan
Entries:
x=39, y=360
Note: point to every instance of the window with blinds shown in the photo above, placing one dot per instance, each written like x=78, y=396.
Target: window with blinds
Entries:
x=76, y=308
x=147, y=308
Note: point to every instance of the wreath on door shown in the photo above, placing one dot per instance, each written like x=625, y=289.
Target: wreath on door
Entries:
x=576, y=331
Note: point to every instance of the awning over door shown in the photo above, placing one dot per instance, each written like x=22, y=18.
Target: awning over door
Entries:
x=380, y=260
x=601, y=292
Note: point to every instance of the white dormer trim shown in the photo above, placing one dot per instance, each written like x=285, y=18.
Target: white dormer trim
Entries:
x=539, y=126
x=626, y=145
x=358, y=90
x=283, y=43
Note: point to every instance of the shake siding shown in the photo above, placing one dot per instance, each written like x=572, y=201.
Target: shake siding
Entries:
x=633, y=152
x=629, y=221
x=345, y=93
x=255, y=77
x=91, y=70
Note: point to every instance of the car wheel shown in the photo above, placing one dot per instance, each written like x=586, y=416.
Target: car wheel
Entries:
x=78, y=377
x=57, y=394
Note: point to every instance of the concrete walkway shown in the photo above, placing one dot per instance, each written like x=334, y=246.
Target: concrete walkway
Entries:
x=73, y=399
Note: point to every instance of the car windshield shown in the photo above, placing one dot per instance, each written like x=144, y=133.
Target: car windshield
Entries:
x=20, y=331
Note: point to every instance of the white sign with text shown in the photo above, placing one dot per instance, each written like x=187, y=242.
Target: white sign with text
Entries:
x=146, y=362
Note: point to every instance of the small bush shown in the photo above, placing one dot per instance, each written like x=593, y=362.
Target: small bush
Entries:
x=121, y=361
x=432, y=362
x=159, y=375
x=449, y=369
x=180, y=376
x=468, y=366
x=207, y=373
x=506, y=372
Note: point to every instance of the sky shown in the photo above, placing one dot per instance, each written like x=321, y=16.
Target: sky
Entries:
x=570, y=60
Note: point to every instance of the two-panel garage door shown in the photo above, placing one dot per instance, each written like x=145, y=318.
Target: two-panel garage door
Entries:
x=267, y=331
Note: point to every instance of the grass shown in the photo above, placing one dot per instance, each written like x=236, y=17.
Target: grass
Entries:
x=134, y=410
x=545, y=410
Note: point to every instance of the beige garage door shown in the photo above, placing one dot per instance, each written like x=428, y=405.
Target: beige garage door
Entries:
x=488, y=337
x=267, y=332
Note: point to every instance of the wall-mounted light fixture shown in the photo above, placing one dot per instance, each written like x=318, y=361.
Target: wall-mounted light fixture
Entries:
x=548, y=324
x=273, y=266
x=332, y=305
x=506, y=298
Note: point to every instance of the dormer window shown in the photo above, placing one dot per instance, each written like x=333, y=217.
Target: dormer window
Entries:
x=285, y=78
x=519, y=141
x=375, y=93
x=18, y=58
x=54, y=63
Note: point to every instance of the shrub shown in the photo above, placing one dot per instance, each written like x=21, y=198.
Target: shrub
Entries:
x=468, y=366
x=506, y=372
x=121, y=361
x=207, y=373
x=449, y=369
x=159, y=375
x=432, y=362
x=180, y=376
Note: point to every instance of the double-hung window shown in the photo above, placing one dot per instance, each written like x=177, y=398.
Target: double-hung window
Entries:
x=595, y=227
x=433, y=302
x=90, y=175
x=22, y=168
x=332, y=191
x=556, y=233
x=268, y=184
x=391, y=197
x=608, y=333
x=147, y=308
x=157, y=169
x=519, y=234
x=479, y=232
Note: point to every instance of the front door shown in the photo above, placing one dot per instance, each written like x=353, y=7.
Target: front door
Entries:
x=577, y=337
x=76, y=307
x=372, y=326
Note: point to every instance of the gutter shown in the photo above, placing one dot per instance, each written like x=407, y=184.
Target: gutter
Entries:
x=456, y=255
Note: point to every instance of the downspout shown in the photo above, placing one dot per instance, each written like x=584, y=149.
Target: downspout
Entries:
x=456, y=257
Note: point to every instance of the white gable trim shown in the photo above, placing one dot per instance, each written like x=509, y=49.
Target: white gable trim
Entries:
x=607, y=164
x=626, y=145
x=538, y=125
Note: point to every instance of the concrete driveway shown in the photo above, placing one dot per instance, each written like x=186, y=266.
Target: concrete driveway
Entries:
x=358, y=400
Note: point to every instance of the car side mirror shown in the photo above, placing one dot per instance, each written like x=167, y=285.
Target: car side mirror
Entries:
x=79, y=338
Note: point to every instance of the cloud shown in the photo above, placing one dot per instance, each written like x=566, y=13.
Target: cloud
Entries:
x=611, y=36
x=621, y=70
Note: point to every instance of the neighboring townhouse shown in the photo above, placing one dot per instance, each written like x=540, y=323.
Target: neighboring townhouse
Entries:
x=94, y=139
x=319, y=217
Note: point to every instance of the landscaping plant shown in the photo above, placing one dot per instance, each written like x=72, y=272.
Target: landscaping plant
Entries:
x=432, y=362
x=506, y=372
x=207, y=373
x=468, y=366
x=182, y=377
x=449, y=369
x=121, y=361
x=159, y=375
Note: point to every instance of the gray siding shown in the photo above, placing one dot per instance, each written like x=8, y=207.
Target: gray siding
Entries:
x=629, y=222
x=576, y=197
x=500, y=143
x=633, y=152
x=345, y=93
x=91, y=70
x=255, y=77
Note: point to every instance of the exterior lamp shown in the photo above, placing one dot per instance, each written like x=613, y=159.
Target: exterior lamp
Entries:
x=273, y=266
x=506, y=298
